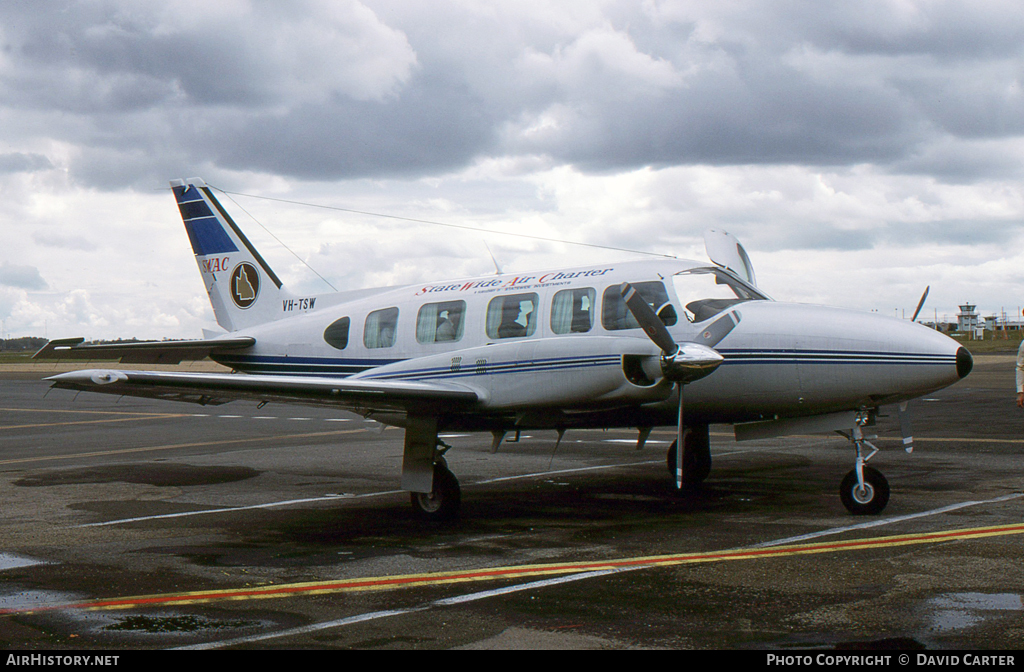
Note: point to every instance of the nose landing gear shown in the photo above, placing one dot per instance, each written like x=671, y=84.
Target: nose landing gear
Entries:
x=864, y=491
x=865, y=496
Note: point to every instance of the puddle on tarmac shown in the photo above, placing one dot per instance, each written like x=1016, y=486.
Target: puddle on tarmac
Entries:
x=11, y=561
x=176, y=624
x=956, y=611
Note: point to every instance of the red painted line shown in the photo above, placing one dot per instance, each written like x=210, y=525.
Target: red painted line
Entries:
x=438, y=578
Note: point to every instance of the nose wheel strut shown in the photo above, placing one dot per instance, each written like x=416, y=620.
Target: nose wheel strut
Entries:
x=864, y=491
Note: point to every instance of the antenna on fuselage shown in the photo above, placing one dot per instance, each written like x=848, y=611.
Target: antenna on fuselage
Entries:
x=497, y=268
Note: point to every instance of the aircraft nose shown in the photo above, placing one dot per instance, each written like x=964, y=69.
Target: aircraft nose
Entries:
x=964, y=362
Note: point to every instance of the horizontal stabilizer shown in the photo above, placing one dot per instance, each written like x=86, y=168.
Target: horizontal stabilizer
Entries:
x=142, y=352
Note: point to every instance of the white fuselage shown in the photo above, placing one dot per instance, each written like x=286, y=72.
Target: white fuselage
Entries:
x=781, y=359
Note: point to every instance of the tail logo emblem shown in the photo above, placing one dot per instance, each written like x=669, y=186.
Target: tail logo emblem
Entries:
x=245, y=285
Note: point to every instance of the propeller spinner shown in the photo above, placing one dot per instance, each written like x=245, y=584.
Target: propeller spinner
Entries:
x=681, y=363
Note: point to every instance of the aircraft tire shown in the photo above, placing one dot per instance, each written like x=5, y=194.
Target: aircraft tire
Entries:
x=443, y=502
x=697, y=457
x=870, y=502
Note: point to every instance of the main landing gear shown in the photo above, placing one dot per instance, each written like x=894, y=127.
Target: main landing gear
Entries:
x=864, y=491
x=443, y=501
x=433, y=489
x=696, y=456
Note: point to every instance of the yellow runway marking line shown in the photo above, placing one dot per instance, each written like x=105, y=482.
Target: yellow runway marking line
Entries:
x=92, y=422
x=65, y=410
x=917, y=439
x=172, y=446
x=133, y=415
x=522, y=571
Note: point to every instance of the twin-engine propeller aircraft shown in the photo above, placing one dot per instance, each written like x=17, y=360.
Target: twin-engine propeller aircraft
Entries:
x=613, y=345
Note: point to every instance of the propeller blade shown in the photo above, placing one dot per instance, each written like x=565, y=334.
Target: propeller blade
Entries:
x=689, y=361
x=920, y=304
x=648, y=319
x=719, y=329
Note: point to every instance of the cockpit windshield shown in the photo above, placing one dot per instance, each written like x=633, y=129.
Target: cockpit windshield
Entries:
x=705, y=292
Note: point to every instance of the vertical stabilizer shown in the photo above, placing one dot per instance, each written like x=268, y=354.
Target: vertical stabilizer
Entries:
x=243, y=289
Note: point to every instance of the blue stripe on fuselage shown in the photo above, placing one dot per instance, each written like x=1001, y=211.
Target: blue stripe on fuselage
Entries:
x=345, y=367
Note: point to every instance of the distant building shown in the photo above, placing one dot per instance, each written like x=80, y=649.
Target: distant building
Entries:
x=967, y=319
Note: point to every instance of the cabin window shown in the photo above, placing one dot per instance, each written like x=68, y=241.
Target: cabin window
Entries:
x=379, y=330
x=705, y=292
x=512, y=316
x=440, y=322
x=572, y=310
x=615, y=314
x=336, y=334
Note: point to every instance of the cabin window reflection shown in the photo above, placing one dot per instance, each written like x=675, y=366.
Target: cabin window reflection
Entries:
x=440, y=322
x=336, y=334
x=705, y=292
x=615, y=315
x=572, y=310
x=380, y=327
x=512, y=316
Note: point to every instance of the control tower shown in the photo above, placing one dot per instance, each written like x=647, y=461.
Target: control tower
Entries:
x=967, y=319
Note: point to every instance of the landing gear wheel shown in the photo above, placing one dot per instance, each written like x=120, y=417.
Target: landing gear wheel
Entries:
x=442, y=503
x=696, y=456
x=696, y=465
x=867, y=501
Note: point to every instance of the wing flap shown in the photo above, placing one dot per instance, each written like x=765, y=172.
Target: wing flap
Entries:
x=143, y=352
x=218, y=388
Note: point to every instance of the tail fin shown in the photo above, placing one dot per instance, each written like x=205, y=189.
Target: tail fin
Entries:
x=243, y=289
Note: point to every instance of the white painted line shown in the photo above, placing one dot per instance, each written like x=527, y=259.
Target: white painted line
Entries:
x=269, y=505
x=315, y=627
x=633, y=441
x=565, y=471
x=888, y=521
x=375, y=615
x=480, y=595
x=569, y=578
x=289, y=502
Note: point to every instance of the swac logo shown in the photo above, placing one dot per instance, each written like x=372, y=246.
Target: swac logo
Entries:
x=245, y=285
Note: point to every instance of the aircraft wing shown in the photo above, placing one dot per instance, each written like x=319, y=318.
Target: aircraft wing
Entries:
x=219, y=388
x=142, y=352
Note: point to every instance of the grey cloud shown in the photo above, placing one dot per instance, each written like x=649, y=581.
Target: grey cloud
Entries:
x=23, y=277
x=112, y=56
x=959, y=162
x=824, y=236
x=944, y=30
x=322, y=91
x=17, y=162
x=954, y=232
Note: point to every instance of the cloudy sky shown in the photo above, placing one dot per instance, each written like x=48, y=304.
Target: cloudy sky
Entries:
x=860, y=151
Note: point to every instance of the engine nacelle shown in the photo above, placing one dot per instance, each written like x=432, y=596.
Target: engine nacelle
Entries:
x=583, y=373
